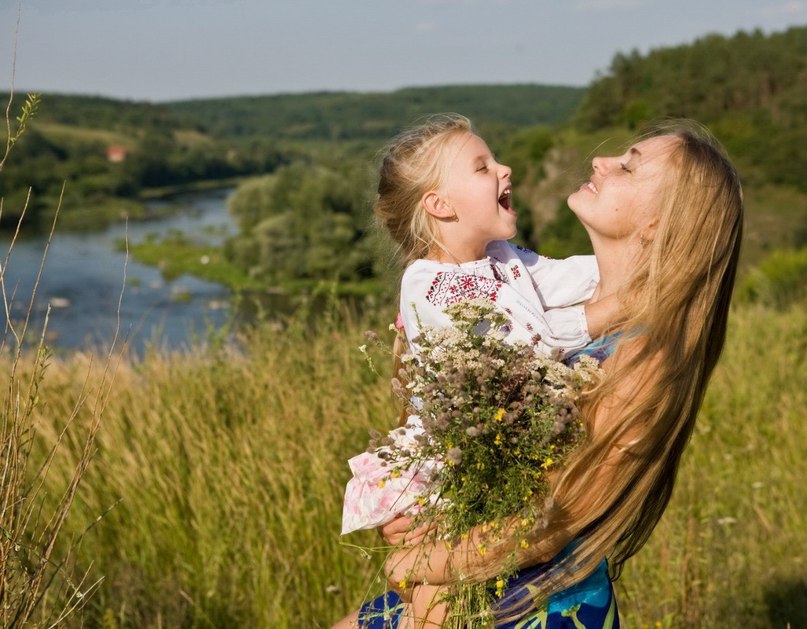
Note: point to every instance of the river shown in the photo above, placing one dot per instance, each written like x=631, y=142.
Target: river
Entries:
x=84, y=273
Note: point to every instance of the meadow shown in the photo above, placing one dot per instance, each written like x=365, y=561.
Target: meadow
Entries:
x=218, y=475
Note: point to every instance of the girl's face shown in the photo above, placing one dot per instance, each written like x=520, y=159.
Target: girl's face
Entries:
x=621, y=200
x=477, y=190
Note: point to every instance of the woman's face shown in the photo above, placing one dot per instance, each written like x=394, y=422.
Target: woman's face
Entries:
x=621, y=200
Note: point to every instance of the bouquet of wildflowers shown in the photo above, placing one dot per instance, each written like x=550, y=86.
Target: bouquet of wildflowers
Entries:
x=498, y=418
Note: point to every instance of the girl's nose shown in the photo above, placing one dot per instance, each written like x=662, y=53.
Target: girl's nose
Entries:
x=505, y=171
x=598, y=164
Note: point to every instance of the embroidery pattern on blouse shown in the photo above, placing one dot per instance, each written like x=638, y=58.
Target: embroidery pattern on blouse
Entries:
x=451, y=288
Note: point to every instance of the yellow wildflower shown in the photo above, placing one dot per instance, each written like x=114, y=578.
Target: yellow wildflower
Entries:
x=402, y=584
x=498, y=439
x=547, y=462
x=482, y=550
x=524, y=543
x=381, y=484
x=395, y=473
x=499, y=415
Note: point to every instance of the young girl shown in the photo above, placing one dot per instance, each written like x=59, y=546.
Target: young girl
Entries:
x=446, y=201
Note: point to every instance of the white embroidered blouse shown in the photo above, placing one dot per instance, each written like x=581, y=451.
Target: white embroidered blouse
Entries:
x=540, y=296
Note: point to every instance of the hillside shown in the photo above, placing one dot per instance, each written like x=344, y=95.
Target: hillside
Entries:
x=332, y=116
x=751, y=89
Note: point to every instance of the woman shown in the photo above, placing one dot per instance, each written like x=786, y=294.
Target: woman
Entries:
x=665, y=221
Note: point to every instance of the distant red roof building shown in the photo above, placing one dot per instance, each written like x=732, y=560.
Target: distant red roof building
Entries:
x=116, y=153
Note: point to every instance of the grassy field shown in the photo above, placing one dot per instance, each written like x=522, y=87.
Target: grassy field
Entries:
x=219, y=474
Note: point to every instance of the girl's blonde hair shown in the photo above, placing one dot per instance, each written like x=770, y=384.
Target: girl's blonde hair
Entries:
x=411, y=165
x=677, y=305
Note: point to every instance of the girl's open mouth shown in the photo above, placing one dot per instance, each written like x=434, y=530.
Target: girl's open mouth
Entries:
x=505, y=199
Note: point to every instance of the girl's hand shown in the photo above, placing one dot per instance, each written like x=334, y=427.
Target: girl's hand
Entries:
x=398, y=569
x=399, y=532
x=424, y=563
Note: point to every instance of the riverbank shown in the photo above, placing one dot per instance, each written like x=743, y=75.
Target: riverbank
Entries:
x=176, y=254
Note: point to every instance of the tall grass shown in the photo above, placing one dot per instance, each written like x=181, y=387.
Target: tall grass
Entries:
x=39, y=584
x=221, y=473
x=224, y=470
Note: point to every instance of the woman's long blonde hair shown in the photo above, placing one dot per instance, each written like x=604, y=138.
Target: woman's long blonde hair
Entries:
x=677, y=305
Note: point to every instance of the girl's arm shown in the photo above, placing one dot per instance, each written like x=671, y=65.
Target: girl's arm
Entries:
x=560, y=283
x=427, y=291
x=601, y=315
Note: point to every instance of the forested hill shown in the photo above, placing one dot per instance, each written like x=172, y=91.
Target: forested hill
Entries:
x=377, y=115
x=317, y=115
x=751, y=89
x=110, y=114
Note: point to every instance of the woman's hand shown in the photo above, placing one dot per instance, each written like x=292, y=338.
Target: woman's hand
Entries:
x=399, y=532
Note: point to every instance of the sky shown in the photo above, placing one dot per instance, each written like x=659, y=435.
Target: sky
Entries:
x=160, y=50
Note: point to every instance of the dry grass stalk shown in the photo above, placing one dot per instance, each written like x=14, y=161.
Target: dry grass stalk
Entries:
x=37, y=587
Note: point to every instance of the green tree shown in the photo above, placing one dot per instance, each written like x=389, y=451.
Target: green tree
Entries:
x=304, y=223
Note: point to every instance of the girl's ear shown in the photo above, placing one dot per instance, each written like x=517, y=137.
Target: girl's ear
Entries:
x=434, y=205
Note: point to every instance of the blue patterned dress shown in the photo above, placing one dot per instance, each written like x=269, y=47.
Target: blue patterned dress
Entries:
x=590, y=604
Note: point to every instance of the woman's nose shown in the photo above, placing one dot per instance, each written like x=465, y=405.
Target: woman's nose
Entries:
x=598, y=164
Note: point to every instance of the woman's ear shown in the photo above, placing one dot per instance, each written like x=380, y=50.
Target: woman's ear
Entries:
x=648, y=234
x=434, y=205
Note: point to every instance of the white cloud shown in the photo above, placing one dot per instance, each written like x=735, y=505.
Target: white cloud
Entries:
x=425, y=27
